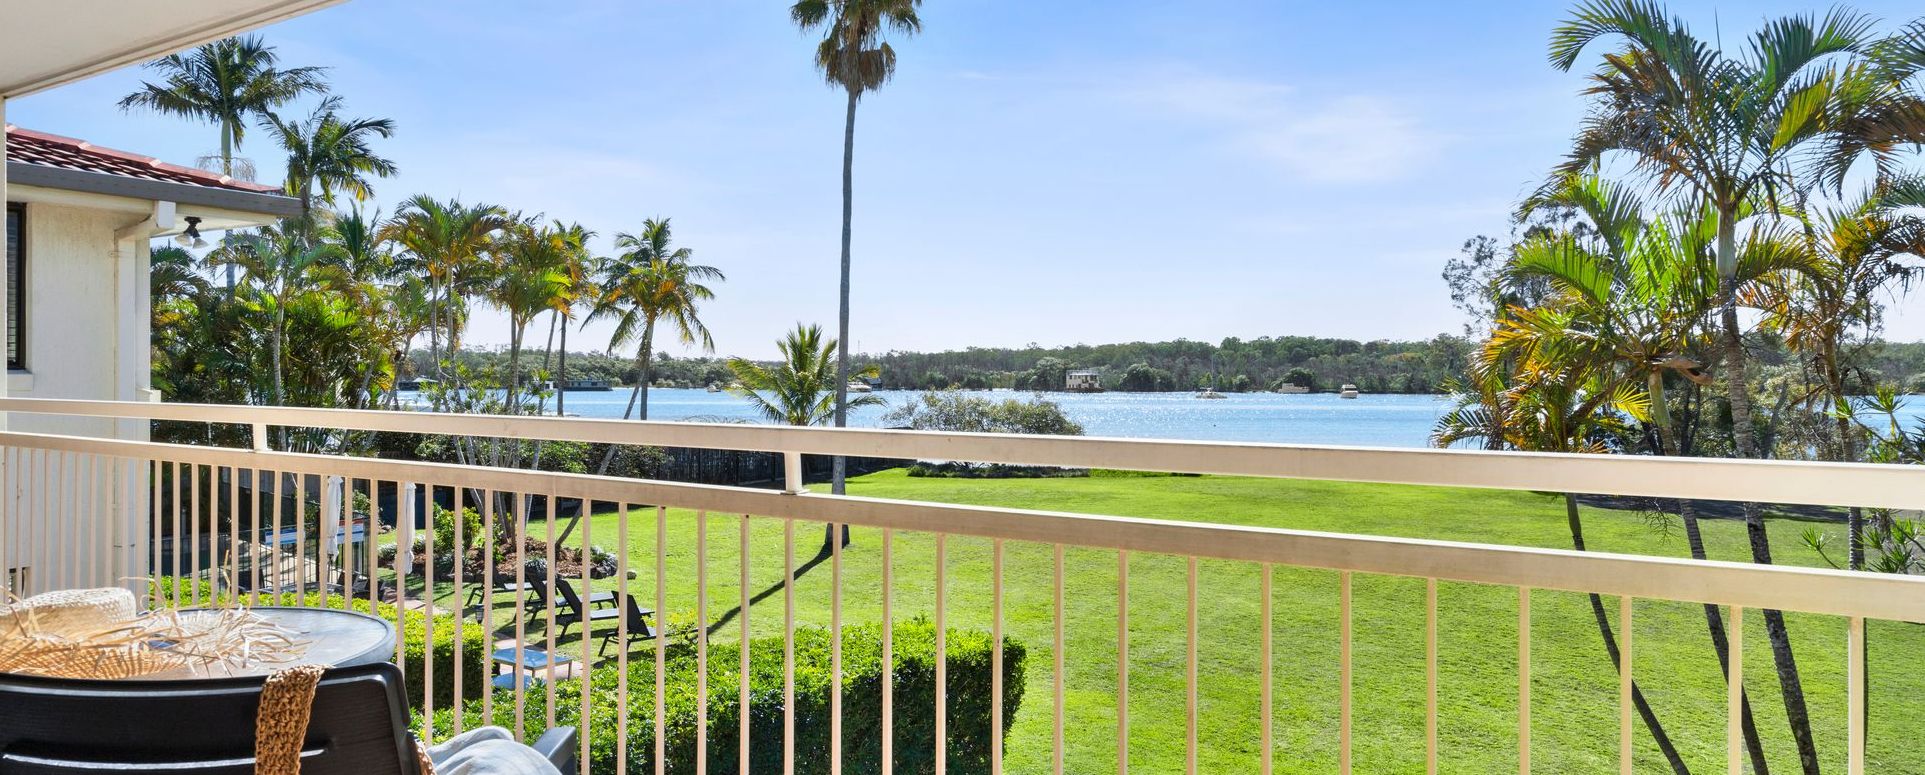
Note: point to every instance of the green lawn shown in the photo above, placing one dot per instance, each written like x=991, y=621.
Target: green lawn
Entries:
x=1574, y=710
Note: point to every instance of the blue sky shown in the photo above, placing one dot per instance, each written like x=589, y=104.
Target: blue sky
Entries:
x=1050, y=172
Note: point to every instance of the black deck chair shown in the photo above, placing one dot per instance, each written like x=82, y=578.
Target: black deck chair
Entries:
x=601, y=609
x=538, y=596
x=53, y=726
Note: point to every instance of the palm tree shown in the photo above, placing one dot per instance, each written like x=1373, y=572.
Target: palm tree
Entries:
x=1630, y=295
x=282, y=266
x=359, y=269
x=1832, y=311
x=530, y=277
x=328, y=154
x=225, y=83
x=1529, y=393
x=579, y=260
x=853, y=56
x=1725, y=132
x=445, y=242
x=800, y=388
x=649, y=282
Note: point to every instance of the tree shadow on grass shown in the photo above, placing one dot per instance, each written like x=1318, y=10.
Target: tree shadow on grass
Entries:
x=730, y=615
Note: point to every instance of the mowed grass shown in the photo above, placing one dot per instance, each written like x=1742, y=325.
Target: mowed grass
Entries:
x=1574, y=690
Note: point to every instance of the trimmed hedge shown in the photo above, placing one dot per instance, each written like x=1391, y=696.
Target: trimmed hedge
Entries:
x=475, y=644
x=970, y=736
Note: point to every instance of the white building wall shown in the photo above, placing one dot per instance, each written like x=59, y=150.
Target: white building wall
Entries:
x=79, y=522
x=86, y=318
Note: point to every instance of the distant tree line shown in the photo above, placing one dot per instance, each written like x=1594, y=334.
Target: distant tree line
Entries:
x=1232, y=365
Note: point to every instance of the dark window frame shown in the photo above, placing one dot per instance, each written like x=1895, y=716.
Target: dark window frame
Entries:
x=16, y=269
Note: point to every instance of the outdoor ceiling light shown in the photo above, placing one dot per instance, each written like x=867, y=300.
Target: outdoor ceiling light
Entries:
x=192, y=237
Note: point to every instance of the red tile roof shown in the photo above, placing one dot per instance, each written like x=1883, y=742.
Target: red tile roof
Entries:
x=49, y=150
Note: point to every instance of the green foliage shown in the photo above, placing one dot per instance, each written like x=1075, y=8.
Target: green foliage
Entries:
x=948, y=411
x=473, y=644
x=969, y=657
x=1377, y=367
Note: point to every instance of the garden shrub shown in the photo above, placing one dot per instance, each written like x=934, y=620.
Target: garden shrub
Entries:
x=475, y=645
x=969, y=741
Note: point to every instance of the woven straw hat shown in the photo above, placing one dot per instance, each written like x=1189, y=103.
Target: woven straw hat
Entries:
x=99, y=633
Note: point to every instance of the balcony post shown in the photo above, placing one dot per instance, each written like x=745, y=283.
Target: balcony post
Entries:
x=260, y=437
x=792, y=473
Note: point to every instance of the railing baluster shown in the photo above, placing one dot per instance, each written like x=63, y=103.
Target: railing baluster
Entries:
x=1343, y=672
x=179, y=536
x=888, y=651
x=702, y=643
x=1123, y=662
x=1855, y=673
x=996, y=658
x=521, y=503
x=835, y=651
x=586, y=508
x=276, y=496
x=621, y=633
x=742, y=687
x=155, y=521
x=1734, y=737
x=661, y=632
x=1060, y=675
x=234, y=529
x=1267, y=714
x=942, y=653
x=428, y=574
x=1626, y=638
x=195, y=517
x=403, y=562
x=1524, y=680
x=1430, y=676
x=459, y=599
x=549, y=654
x=788, y=645
x=488, y=575
x=301, y=564
x=374, y=550
x=7, y=519
x=1189, y=675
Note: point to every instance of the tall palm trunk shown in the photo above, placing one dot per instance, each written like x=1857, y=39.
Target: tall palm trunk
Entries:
x=838, y=478
x=1713, y=616
x=561, y=374
x=227, y=170
x=644, y=360
x=1650, y=717
x=514, y=367
x=1739, y=390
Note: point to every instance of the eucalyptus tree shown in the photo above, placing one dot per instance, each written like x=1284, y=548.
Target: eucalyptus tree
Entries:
x=1728, y=131
x=799, y=388
x=328, y=154
x=854, y=55
x=446, y=243
x=648, y=282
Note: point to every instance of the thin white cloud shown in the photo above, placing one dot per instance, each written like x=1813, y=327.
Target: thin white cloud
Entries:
x=1352, y=138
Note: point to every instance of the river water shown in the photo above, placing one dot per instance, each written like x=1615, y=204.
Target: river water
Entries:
x=1369, y=420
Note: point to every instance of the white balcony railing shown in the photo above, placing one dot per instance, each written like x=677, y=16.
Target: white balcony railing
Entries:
x=84, y=511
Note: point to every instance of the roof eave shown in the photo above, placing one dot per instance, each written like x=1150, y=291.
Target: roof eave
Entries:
x=137, y=51
x=271, y=205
